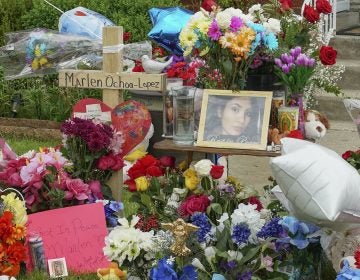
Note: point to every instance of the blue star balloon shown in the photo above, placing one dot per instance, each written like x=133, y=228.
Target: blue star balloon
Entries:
x=167, y=24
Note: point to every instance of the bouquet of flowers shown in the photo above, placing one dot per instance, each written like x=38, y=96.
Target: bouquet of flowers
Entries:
x=229, y=40
x=43, y=179
x=306, y=32
x=12, y=234
x=236, y=236
x=93, y=147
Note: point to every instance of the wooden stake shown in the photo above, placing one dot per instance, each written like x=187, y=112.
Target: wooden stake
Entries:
x=112, y=63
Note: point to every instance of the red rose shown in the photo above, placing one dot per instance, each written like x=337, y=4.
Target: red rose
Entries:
x=216, y=171
x=255, y=201
x=148, y=160
x=323, y=6
x=194, y=203
x=286, y=5
x=327, y=55
x=105, y=162
x=131, y=185
x=126, y=36
x=118, y=162
x=137, y=170
x=207, y=5
x=347, y=154
x=295, y=134
x=311, y=14
x=357, y=258
x=167, y=161
x=138, y=67
x=154, y=171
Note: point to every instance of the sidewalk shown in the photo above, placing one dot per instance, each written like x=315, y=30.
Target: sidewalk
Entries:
x=254, y=171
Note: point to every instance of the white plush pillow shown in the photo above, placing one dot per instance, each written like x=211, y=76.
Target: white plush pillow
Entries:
x=320, y=186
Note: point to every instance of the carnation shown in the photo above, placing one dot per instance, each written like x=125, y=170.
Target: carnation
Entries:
x=250, y=216
x=272, y=25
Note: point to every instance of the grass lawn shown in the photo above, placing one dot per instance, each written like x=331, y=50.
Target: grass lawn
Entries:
x=44, y=276
x=21, y=146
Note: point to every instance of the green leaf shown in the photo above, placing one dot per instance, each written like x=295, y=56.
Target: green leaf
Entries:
x=222, y=239
x=216, y=207
x=250, y=254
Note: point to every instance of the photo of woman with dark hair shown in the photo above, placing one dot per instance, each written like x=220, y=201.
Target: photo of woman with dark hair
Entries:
x=234, y=119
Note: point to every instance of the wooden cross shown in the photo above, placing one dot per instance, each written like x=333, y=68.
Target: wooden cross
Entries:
x=112, y=80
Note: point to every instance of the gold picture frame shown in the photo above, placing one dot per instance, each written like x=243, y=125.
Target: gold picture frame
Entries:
x=234, y=119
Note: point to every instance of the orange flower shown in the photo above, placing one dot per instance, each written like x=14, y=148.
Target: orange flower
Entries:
x=18, y=233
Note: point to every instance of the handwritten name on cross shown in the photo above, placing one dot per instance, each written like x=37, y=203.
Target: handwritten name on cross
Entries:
x=112, y=80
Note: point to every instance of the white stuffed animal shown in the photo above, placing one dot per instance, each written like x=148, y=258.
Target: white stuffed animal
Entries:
x=316, y=124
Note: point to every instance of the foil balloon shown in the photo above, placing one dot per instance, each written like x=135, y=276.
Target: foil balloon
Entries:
x=167, y=24
x=85, y=22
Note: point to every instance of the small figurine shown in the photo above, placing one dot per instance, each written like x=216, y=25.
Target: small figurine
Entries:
x=113, y=272
x=180, y=230
x=152, y=66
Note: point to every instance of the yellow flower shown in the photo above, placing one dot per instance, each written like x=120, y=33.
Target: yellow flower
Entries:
x=203, y=27
x=135, y=155
x=226, y=40
x=16, y=206
x=142, y=183
x=182, y=165
x=191, y=179
x=242, y=42
x=187, y=38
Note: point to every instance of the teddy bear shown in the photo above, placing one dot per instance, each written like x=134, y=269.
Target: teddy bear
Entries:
x=316, y=124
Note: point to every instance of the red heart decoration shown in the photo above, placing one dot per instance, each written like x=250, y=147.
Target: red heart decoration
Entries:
x=80, y=14
x=83, y=107
x=133, y=120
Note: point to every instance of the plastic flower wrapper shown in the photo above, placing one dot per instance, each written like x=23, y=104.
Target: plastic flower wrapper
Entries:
x=43, y=51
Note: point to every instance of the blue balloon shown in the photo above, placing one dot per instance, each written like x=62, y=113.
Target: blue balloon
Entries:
x=84, y=22
x=167, y=24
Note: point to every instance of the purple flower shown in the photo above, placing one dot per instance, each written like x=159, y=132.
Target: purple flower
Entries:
x=301, y=60
x=285, y=68
x=214, y=31
x=244, y=276
x=241, y=233
x=228, y=266
x=272, y=229
x=226, y=189
x=295, y=52
x=200, y=220
x=236, y=23
x=278, y=62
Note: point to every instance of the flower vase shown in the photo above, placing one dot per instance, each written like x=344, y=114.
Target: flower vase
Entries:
x=296, y=100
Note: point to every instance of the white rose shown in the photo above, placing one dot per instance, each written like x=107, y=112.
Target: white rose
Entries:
x=203, y=167
x=272, y=25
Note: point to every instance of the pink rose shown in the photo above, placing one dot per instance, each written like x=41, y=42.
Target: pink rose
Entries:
x=192, y=204
x=167, y=161
x=76, y=189
x=95, y=188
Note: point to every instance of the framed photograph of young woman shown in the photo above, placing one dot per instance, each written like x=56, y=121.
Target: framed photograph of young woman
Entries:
x=237, y=120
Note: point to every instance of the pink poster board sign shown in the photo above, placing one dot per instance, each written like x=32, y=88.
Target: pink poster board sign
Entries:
x=76, y=233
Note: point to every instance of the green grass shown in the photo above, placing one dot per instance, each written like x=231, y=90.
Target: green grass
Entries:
x=21, y=146
x=37, y=275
